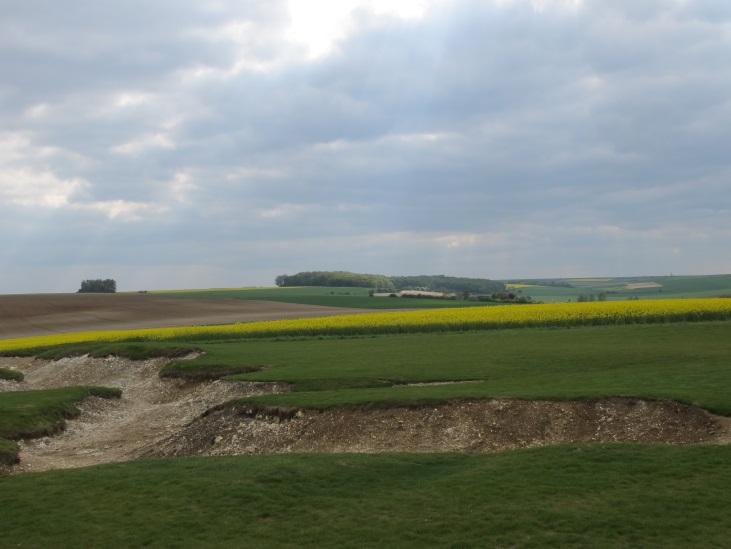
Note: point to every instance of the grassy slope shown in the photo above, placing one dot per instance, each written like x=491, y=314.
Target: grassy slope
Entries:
x=12, y=375
x=8, y=452
x=598, y=496
x=29, y=414
x=672, y=287
x=133, y=351
x=326, y=296
x=683, y=361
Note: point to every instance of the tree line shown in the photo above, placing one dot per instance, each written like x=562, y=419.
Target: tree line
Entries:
x=335, y=278
x=442, y=283
x=437, y=283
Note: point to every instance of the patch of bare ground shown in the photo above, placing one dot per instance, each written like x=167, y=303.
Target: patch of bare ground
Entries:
x=475, y=426
x=42, y=314
x=109, y=430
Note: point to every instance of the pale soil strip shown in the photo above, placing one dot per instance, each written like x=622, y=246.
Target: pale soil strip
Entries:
x=642, y=285
x=437, y=383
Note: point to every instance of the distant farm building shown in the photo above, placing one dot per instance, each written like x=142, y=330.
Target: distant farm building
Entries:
x=417, y=293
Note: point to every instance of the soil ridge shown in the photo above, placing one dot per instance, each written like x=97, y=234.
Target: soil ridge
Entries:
x=455, y=426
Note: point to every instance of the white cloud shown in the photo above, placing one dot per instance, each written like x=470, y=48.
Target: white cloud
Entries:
x=249, y=173
x=286, y=211
x=30, y=188
x=131, y=99
x=24, y=185
x=43, y=189
x=319, y=24
x=37, y=111
x=144, y=143
x=123, y=210
x=181, y=186
x=543, y=5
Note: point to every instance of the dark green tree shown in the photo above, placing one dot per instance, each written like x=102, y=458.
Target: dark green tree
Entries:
x=98, y=286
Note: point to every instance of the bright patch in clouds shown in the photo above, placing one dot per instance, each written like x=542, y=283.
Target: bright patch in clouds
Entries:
x=542, y=5
x=131, y=99
x=37, y=111
x=320, y=24
x=123, y=210
x=144, y=143
x=181, y=186
x=29, y=188
x=23, y=184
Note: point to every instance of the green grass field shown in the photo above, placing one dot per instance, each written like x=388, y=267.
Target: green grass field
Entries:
x=8, y=452
x=30, y=414
x=616, y=288
x=688, y=362
x=326, y=296
x=566, y=496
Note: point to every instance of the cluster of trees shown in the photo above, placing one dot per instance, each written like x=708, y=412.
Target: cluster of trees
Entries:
x=436, y=283
x=505, y=297
x=442, y=283
x=591, y=297
x=335, y=278
x=98, y=286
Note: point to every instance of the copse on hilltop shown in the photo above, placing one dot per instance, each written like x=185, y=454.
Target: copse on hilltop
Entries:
x=431, y=282
x=98, y=286
x=442, y=283
x=335, y=278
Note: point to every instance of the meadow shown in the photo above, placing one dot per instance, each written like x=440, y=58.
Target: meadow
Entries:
x=687, y=362
x=622, y=288
x=564, y=496
x=549, y=291
x=326, y=296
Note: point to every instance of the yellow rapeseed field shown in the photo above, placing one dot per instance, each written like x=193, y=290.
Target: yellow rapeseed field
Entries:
x=468, y=318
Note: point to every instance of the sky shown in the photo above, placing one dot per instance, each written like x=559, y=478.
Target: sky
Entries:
x=213, y=143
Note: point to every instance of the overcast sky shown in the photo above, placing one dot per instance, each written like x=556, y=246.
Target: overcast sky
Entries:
x=199, y=143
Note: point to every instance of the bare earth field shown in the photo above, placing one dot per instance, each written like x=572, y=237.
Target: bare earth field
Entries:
x=40, y=314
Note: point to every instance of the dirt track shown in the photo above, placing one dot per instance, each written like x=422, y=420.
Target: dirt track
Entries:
x=39, y=314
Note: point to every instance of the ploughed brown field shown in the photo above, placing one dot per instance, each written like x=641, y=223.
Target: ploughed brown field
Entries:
x=38, y=314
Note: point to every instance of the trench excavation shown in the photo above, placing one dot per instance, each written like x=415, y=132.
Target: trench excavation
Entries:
x=474, y=426
x=167, y=417
x=110, y=430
